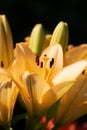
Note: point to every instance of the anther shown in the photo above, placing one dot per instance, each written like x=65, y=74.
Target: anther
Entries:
x=83, y=72
x=41, y=64
x=37, y=60
x=51, y=62
x=2, y=65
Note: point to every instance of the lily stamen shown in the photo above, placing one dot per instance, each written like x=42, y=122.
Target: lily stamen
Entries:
x=83, y=72
x=37, y=60
x=41, y=64
x=45, y=58
x=51, y=62
x=45, y=63
x=1, y=64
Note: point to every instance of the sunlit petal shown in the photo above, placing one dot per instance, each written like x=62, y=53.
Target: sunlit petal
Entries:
x=76, y=53
x=42, y=95
x=70, y=72
x=74, y=102
x=25, y=60
x=54, y=52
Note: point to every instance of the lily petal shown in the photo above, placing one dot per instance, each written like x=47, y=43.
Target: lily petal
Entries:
x=25, y=60
x=8, y=96
x=76, y=53
x=70, y=72
x=21, y=87
x=42, y=95
x=74, y=103
x=62, y=88
x=55, y=52
x=37, y=87
x=55, y=93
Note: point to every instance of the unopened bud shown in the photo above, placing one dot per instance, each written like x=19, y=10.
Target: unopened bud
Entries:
x=6, y=42
x=60, y=35
x=36, y=39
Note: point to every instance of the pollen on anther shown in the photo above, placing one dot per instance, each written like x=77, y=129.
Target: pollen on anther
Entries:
x=83, y=72
x=1, y=64
x=37, y=60
x=41, y=64
x=51, y=62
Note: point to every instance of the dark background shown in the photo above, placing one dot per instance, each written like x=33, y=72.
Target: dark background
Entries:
x=24, y=14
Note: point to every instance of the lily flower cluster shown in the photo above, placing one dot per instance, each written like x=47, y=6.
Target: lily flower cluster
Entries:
x=48, y=80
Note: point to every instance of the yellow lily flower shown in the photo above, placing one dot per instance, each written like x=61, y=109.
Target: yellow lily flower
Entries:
x=73, y=103
x=44, y=76
x=8, y=90
x=43, y=65
x=75, y=53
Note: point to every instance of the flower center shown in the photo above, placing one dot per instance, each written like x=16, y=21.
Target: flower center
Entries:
x=45, y=65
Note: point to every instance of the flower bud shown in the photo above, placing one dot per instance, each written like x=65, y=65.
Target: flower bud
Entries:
x=6, y=42
x=36, y=39
x=60, y=35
